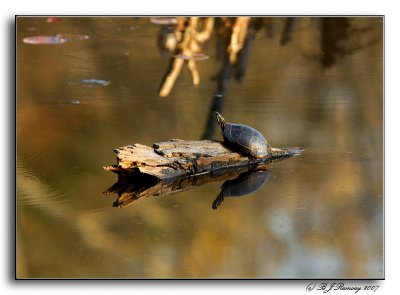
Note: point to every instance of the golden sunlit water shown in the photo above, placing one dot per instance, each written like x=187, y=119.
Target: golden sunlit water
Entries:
x=87, y=85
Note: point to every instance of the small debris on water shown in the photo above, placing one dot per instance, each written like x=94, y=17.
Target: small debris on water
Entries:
x=195, y=56
x=53, y=19
x=95, y=82
x=57, y=39
x=75, y=101
x=163, y=20
x=200, y=56
x=75, y=37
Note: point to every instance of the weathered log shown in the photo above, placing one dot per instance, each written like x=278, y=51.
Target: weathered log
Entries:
x=183, y=157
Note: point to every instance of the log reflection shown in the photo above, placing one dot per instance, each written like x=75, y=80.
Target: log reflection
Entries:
x=238, y=182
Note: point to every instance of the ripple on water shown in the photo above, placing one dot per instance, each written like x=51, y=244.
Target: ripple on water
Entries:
x=34, y=192
x=30, y=157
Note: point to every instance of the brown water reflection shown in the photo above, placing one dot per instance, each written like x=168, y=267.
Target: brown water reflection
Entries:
x=308, y=82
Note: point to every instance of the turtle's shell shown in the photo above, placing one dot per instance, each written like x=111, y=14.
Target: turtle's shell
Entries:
x=248, y=139
x=244, y=137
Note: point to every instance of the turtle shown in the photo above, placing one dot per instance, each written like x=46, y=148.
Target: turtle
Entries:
x=247, y=139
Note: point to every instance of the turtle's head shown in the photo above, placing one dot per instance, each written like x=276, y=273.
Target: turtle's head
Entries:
x=220, y=119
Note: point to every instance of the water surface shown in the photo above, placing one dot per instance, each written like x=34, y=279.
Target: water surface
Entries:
x=319, y=215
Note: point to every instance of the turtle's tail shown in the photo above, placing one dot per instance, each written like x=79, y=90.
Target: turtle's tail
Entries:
x=220, y=119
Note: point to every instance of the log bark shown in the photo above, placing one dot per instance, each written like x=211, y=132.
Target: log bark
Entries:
x=175, y=158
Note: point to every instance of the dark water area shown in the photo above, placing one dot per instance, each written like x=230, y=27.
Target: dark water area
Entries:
x=308, y=82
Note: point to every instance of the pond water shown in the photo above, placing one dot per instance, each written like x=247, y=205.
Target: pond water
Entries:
x=305, y=82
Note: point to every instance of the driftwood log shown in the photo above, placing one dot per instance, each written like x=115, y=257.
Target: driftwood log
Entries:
x=177, y=158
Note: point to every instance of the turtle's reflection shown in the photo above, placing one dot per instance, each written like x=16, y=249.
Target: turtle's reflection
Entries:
x=238, y=182
x=246, y=183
